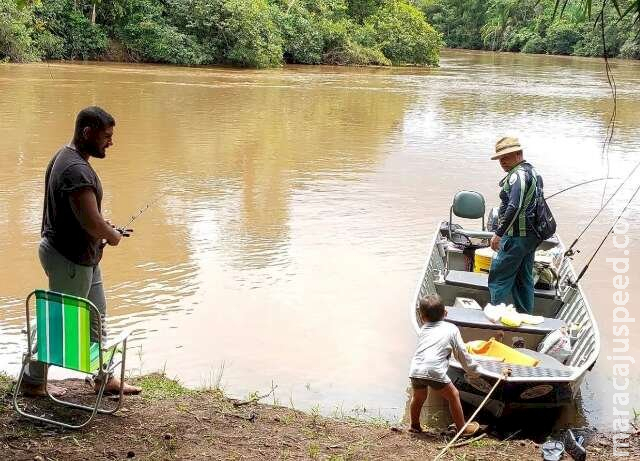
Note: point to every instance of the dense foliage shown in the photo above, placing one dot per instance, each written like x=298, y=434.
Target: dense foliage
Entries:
x=537, y=26
x=249, y=33
x=267, y=33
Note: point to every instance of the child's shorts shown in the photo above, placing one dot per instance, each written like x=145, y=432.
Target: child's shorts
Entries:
x=421, y=383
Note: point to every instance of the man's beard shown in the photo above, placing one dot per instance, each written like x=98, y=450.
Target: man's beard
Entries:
x=91, y=148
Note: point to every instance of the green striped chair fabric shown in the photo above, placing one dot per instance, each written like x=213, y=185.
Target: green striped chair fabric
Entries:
x=64, y=332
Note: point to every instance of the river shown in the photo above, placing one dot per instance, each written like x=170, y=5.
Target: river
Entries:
x=292, y=209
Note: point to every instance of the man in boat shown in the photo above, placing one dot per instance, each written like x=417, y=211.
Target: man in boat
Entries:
x=74, y=232
x=511, y=273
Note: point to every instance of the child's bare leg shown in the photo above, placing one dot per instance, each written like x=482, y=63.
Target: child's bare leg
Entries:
x=451, y=395
x=417, y=400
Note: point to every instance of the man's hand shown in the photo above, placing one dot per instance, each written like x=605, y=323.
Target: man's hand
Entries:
x=495, y=242
x=114, y=238
x=124, y=232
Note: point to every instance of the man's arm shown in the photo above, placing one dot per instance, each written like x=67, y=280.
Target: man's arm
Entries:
x=85, y=208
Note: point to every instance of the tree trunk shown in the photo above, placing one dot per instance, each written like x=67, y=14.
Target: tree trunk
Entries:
x=93, y=15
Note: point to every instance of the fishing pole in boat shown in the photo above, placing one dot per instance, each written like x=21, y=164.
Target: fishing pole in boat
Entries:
x=570, y=251
x=577, y=185
x=586, y=266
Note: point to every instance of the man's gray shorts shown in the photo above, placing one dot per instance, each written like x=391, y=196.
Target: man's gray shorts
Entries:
x=72, y=279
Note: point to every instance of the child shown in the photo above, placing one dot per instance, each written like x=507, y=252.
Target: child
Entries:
x=436, y=341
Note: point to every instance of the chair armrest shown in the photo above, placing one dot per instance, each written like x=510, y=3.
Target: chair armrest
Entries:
x=116, y=340
x=475, y=234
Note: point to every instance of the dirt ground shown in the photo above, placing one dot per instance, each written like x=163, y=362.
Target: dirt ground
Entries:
x=170, y=422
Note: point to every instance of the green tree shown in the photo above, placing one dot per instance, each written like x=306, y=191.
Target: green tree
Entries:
x=16, y=43
x=80, y=38
x=401, y=32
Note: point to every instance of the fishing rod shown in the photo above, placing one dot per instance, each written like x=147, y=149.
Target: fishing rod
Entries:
x=570, y=251
x=124, y=230
x=577, y=185
x=586, y=266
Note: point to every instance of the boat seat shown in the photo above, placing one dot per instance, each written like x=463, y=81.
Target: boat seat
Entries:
x=546, y=361
x=475, y=318
x=479, y=234
x=480, y=280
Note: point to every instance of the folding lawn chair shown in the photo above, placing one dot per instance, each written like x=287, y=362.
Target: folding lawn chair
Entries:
x=63, y=332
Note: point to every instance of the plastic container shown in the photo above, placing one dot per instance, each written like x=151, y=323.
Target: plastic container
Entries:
x=482, y=260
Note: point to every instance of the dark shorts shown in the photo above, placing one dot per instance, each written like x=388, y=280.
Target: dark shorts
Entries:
x=421, y=383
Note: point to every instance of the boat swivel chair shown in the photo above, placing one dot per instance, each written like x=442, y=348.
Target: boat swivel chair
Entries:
x=468, y=205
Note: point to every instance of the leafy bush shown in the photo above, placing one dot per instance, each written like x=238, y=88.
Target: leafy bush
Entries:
x=48, y=45
x=303, y=42
x=252, y=36
x=535, y=44
x=141, y=28
x=355, y=54
x=562, y=37
x=515, y=39
x=401, y=32
x=630, y=49
x=81, y=39
x=359, y=10
x=16, y=43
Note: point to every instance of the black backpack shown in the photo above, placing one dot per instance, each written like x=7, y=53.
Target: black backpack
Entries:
x=544, y=224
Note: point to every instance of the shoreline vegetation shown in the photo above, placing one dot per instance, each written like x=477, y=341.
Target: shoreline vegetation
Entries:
x=270, y=33
x=169, y=421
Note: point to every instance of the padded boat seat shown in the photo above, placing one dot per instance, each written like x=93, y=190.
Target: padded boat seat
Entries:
x=480, y=281
x=475, y=318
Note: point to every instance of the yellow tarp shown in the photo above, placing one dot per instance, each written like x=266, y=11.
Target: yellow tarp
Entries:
x=493, y=348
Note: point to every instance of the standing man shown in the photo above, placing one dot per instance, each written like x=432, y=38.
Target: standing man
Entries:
x=74, y=232
x=511, y=274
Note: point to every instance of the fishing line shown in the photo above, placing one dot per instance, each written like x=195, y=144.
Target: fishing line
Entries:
x=577, y=185
x=584, y=269
x=140, y=211
x=570, y=251
x=612, y=85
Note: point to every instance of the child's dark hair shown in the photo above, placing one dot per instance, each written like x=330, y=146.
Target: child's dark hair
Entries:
x=432, y=308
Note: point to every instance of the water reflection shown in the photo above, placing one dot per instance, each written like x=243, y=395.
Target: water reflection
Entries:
x=292, y=208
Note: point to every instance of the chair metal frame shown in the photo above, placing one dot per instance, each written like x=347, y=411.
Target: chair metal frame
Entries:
x=104, y=370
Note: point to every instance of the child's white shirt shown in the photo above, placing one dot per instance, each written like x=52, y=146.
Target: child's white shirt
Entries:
x=436, y=342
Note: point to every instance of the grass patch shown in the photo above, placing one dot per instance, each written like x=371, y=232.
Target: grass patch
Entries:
x=158, y=387
x=6, y=382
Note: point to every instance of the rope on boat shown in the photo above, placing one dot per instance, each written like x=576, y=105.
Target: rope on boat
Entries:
x=586, y=266
x=505, y=372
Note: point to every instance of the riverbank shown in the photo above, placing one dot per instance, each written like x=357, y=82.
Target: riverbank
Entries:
x=171, y=422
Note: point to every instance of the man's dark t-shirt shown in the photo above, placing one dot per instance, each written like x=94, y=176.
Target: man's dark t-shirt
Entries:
x=68, y=172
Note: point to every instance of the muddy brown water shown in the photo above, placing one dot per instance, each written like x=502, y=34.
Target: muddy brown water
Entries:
x=293, y=208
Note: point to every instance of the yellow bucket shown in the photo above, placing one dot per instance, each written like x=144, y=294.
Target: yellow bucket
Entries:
x=482, y=260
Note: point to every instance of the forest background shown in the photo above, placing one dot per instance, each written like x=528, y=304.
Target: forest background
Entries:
x=268, y=33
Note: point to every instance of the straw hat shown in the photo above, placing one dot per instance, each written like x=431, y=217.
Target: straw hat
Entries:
x=506, y=146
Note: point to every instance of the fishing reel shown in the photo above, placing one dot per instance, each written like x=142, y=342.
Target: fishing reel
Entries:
x=570, y=252
x=125, y=232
